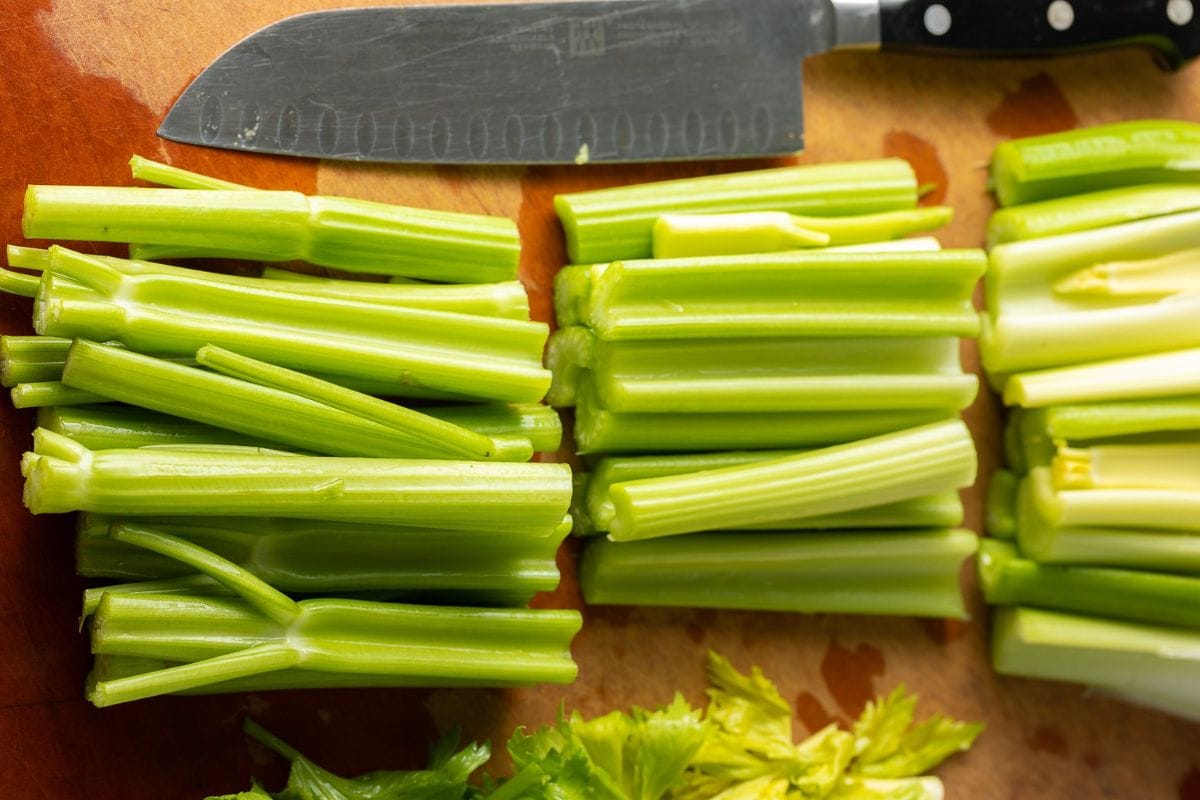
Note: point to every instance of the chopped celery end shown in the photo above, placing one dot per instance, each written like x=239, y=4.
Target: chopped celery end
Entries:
x=40, y=394
x=1160, y=508
x=108, y=426
x=1132, y=466
x=339, y=232
x=1000, y=505
x=617, y=223
x=1089, y=159
x=569, y=355
x=143, y=169
x=885, y=469
x=1007, y=579
x=906, y=573
x=30, y=359
x=1157, y=664
x=811, y=293
x=1089, y=211
x=1150, y=377
x=1151, y=277
x=572, y=284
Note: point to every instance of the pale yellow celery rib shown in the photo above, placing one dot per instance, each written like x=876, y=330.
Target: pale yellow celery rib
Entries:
x=1159, y=375
x=1140, y=508
x=1169, y=274
x=1138, y=466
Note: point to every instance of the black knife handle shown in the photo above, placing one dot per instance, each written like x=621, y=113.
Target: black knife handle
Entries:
x=1034, y=27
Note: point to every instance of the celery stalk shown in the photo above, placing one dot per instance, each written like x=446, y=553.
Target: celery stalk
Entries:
x=1000, y=504
x=1151, y=277
x=1098, y=157
x=485, y=357
x=1172, y=509
x=355, y=235
x=572, y=284
x=1158, y=665
x=1081, y=212
x=1132, y=466
x=904, y=573
x=40, y=394
x=63, y=476
x=143, y=169
x=813, y=293
x=1009, y=580
x=193, y=585
x=885, y=469
x=29, y=359
x=616, y=223
x=1151, y=377
x=263, y=412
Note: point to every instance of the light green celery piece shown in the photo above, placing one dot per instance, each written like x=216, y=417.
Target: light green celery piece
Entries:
x=1088, y=159
x=432, y=434
x=18, y=283
x=1150, y=377
x=1009, y=580
x=144, y=169
x=811, y=293
x=1081, y=212
x=1030, y=326
x=568, y=357
x=1128, y=466
x=40, y=394
x=264, y=631
x=914, y=244
x=783, y=374
x=1092, y=421
x=1158, y=665
x=1136, y=546
x=1168, y=508
x=942, y=510
x=616, y=223
x=30, y=359
x=186, y=585
x=485, y=357
x=1000, y=505
x=685, y=235
x=106, y=426
x=355, y=235
x=598, y=430
x=870, y=472
x=254, y=410
x=1151, y=277
x=572, y=285
x=315, y=557
x=538, y=423
x=224, y=480
x=848, y=572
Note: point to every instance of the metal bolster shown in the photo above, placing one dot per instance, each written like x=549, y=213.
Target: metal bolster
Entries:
x=856, y=23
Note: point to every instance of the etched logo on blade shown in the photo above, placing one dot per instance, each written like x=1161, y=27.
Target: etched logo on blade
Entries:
x=585, y=37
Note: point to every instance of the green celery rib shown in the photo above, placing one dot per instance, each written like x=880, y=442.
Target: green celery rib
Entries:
x=1128, y=466
x=1156, y=665
x=1151, y=377
x=1172, y=509
x=786, y=374
x=1000, y=504
x=435, y=434
x=484, y=357
x=29, y=359
x=812, y=293
x=598, y=430
x=568, y=356
x=1009, y=580
x=314, y=557
x=62, y=476
x=572, y=284
x=1081, y=212
x=143, y=169
x=355, y=235
x=1073, y=162
x=254, y=410
x=41, y=394
x=885, y=469
x=189, y=585
x=1135, y=546
x=943, y=510
x=687, y=235
x=540, y=424
x=611, y=224
x=905, y=573
x=18, y=283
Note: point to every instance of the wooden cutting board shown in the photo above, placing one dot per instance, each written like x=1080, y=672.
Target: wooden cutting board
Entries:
x=83, y=85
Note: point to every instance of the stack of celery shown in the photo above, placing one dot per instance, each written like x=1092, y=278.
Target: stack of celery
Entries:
x=277, y=523
x=1093, y=324
x=756, y=357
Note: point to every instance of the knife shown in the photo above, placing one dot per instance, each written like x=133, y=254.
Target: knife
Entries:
x=599, y=80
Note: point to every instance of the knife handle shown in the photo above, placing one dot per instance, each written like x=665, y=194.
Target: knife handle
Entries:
x=1038, y=27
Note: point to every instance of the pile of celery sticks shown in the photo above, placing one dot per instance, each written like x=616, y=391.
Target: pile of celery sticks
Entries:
x=766, y=384
x=270, y=521
x=1092, y=336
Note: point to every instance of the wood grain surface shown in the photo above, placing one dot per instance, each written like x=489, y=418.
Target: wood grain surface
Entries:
x=83, y=85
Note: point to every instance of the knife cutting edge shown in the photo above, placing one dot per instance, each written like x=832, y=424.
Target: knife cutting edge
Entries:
x=599, y=80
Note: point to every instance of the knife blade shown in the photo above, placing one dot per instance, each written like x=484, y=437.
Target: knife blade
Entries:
x=598, y=80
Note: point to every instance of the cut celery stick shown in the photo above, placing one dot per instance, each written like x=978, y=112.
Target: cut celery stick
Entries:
x=485, y=357
x=885, y=469
x=1132, y=466
x=143, y=169
x=568, y=357
x=257, y=411
x=41, y=394
x=1151, y=277
x=944, y=510
x=62, y=476
x=1000, y=505
x=191, y=585
x=1089, y=159
x=616, y=223
x=539, y=424
x=1172, y=509
x=813, y=293
x=1009, y=580
x=108, y=426
x=902, y=573
x=355, y=235
x=1080, y=212
x=31, y=359
x=572, y=284
x=1153, y=377
x=1157, y=664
